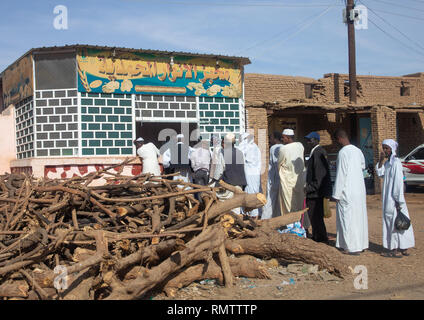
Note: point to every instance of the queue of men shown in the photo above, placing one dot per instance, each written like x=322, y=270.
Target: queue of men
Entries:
x=292, y=185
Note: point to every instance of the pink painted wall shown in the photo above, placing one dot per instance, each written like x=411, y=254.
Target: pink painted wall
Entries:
x=7, y=139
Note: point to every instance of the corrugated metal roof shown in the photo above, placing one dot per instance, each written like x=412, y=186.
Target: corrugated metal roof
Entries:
x=241, y=60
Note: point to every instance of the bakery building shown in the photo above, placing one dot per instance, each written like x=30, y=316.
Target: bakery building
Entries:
x=72, y=109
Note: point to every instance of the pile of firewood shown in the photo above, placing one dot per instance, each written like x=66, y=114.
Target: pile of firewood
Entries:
x=68, y=239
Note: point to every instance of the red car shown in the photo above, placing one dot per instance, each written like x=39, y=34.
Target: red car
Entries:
x=413, y=166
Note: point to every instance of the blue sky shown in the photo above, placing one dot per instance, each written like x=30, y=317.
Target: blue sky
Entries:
x=290, y=37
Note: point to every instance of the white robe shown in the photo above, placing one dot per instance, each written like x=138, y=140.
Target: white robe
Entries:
x=217, y=163
x=149, y=154
x=292, y=173
x=272, y=207
x=393, y=192
x=349, y=190
x=252, y=169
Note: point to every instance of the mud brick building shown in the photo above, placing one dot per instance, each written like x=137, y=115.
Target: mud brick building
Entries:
x=387, y=107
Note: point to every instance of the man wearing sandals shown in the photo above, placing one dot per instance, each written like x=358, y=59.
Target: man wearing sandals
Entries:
x=395, y=241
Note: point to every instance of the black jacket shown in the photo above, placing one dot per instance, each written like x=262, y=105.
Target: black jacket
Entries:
x=179, y=157
x=318, y=179
x=234, y=167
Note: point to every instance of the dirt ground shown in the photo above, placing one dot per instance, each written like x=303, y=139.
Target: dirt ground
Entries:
x=387, y=278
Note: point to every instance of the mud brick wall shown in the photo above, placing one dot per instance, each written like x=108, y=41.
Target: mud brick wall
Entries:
x=260, y=87
x=410, y=131
x=257, y=124
x=380, y=90
x=383, y=121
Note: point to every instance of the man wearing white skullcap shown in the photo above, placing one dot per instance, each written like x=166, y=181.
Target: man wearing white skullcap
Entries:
x=292, y=174
x=390, y=167
x=149, y=155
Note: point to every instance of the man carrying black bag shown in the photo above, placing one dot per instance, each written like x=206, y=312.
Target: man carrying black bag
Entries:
x=390, y=167
x=318, y=187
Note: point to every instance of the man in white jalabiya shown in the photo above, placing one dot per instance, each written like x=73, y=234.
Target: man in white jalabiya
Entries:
x=149, y=155
x=272, y=206
x=350, y=194
x=252, y=166
x=217, y=160
x=291, y=166
x=177, y=159
x=393, y=196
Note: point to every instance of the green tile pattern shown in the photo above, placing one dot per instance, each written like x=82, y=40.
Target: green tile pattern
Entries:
x=106, y=123
x=220, y=116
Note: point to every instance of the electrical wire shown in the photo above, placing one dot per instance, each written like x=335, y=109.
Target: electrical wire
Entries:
x=398, y=5
x=297, y=31
x=398, y=14
x=396, y=39
x=241, y=4
x=303, y=22
x=402, y=33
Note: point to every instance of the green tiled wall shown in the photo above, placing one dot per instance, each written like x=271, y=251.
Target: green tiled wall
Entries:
x=106, y=124
x=220, y=116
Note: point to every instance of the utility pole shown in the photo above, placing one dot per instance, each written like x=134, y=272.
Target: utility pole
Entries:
x=352, y=55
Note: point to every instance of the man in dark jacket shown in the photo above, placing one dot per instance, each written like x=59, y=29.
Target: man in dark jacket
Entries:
x=318, y=186
x=231, y=164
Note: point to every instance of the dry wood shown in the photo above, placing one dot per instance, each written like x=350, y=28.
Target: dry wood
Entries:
x=134, y=234
x=245, y=266
x=291, y=248
x=225, y=265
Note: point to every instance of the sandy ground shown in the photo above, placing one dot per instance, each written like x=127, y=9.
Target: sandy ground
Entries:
x=387, y=278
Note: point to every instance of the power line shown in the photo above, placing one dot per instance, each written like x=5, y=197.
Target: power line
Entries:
x=394, y=38
x=398, y=5
x=299, y=30
x=279, y=34
x=400, y=15
x=241, y=4
x=402, y=33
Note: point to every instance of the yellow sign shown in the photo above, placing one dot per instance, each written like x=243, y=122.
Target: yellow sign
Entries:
x=106, y=72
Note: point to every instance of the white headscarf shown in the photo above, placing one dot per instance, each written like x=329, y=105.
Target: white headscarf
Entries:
x=393, y=145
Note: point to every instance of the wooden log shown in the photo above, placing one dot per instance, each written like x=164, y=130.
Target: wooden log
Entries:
x=17, y=288
x=225, y=266
x=291, y=248
x=245, y=266
x=272, y=224
x=151, y=254
x=197, y=249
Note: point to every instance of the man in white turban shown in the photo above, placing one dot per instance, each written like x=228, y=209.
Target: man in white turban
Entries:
x=390, y=167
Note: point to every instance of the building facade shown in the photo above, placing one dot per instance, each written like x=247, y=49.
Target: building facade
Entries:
x=387, y=107
x=80, y=107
